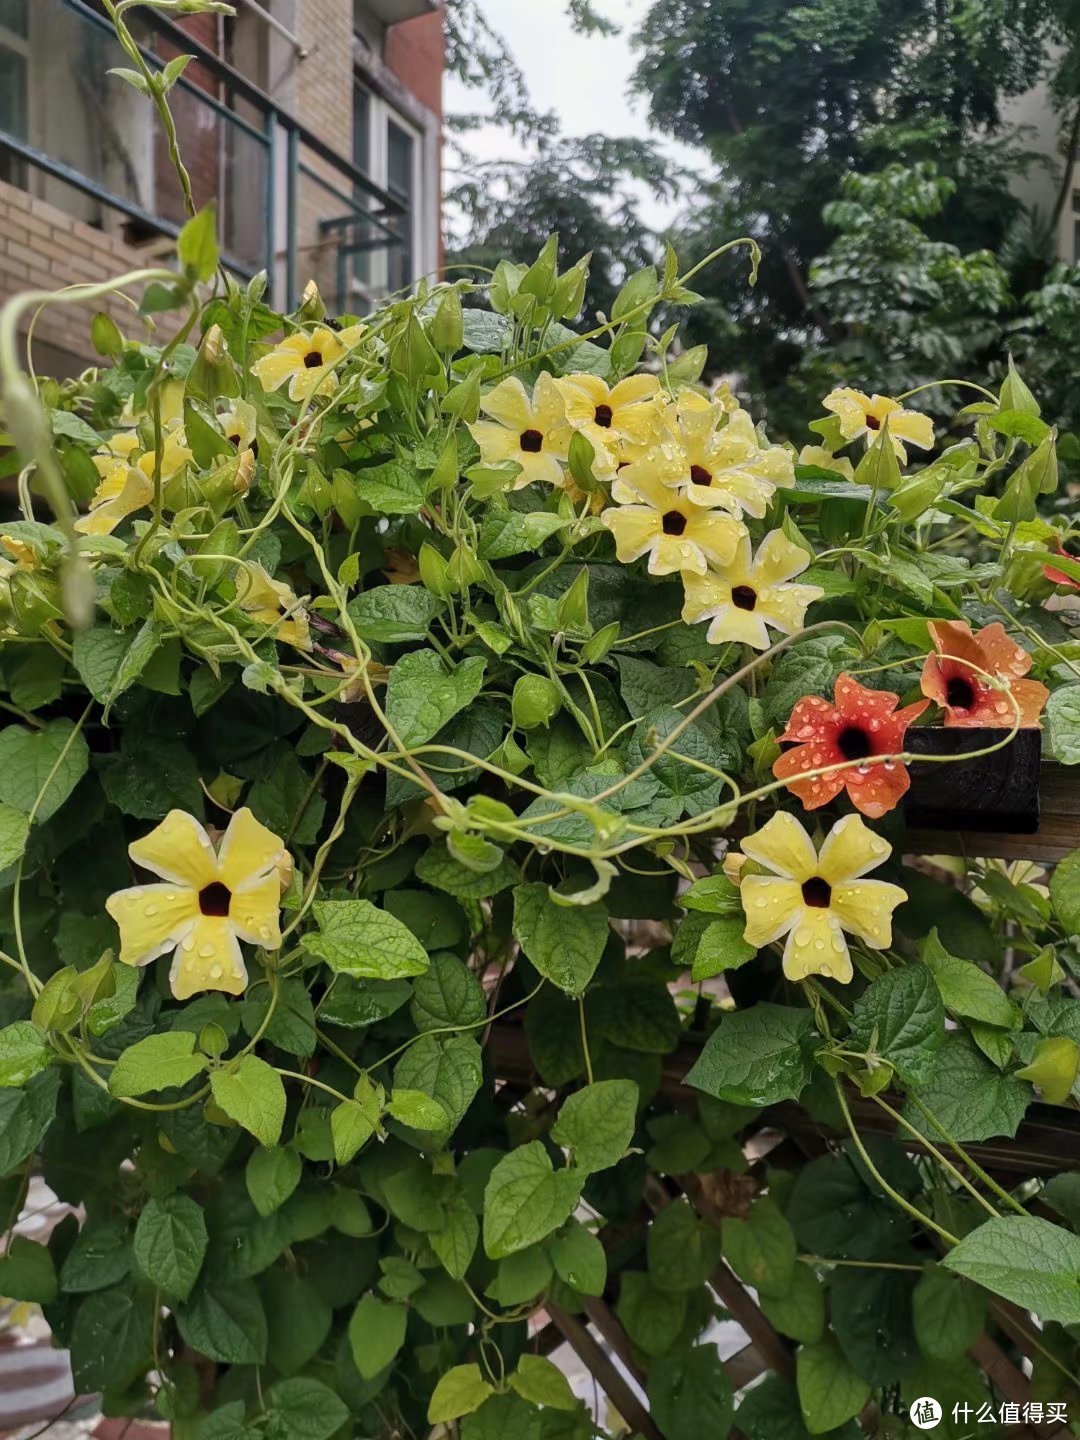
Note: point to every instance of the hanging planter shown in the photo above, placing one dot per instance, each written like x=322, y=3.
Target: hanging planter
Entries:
x=994, y=793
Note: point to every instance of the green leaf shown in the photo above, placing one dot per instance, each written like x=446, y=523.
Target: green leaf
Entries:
x=303, y=1409
x=718, y=945
x=758, y=1056
x=690, y=1395
x=901, y=1018
x=510, y=532
x=965, y=989
x=682, y=1250
x=226, y=1423
x=563, y=943
x=1063, y=717
x=197, y=246
x=27, y=1272
x=525, y=1199
x=448, y=995
x=101, y=1256
x=455, y=1244
x=14, y=829
x=596, y=1124
x=830, y=1392
x=761, y=1249
x=356, y=938
x=298, y=1320
x=351, y=1127
x=48, y=763
x=225, y=1321
x=799, y=1312
x=969, y=1096
x=1053, y=1067
x=713, y=895
x=459, y=1392
x=376, y=1334
x=170, y=1244
x=417, y=1110
x=540, y=1382
x=1027, y=1260
x=271, y=1177
x=394, y=614
x=449, y=1071
x=653, y=1318
x=23, y=1053
x=422, y=695
x=770, y=1411
x=1065, y=892
x=157, y=1063
x=580, y=1259
x=111, y=1340
x=253, y=1096
x=948, y=1314
x=25, y=1116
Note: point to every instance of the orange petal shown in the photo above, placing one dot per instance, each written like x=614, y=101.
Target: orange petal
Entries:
x=880, y=790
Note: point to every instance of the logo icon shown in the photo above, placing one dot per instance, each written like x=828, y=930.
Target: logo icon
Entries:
x=925, y=1413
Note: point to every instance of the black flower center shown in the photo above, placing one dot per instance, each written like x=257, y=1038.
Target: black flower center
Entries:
x=873, y=423
x=744, y=597
x=674, y=522
x=235, y=440
x=854, y=743
x=214, y=899
x=699, y=475
x=313, y=359
x=531, y=441
x=959, y=693
x=603, y=415
x=817, y=892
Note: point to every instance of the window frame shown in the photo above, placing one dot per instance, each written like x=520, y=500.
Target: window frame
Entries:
x=370, y=272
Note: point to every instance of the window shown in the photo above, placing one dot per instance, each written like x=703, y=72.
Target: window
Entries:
x=14, y=68
x=387, y=149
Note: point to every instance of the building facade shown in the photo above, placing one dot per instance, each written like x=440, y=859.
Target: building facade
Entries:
x=314, y=125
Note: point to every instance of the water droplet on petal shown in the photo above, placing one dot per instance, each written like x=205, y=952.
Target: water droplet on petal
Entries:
x=188, y=943
x=216, y=972
x=205, y=951
x=150, y=909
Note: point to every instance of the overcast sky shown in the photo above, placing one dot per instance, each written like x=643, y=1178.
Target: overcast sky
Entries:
x=584, y=79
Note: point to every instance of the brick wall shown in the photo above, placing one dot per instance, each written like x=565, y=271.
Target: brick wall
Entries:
x=41, y=248
x=414, y=52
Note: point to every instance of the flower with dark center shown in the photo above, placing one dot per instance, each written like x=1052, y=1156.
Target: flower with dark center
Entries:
x=312, y=360
x=525, y=426
x=531, y=441
x=977, y=678
x=744, y=597
x=755, y=591
x=215, y=898
x=674, y=522
x=699, y=475
x=680, y=538
x=816, y=898
x=603, y=416
x=864, y=416
x=860, y=725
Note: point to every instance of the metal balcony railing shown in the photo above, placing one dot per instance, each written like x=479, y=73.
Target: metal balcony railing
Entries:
x=287, y=202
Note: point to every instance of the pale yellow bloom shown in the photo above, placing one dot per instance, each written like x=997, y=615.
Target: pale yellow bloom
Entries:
x=676, y=534
x=209, y=901
x=616, y=421
x=752, y=592
x=814, y=898
x=238, y=424
x=530, y=429
x=170, y=404
x=716, y=456
x=267, y=600
x=304, y=359
x=861, y=415
x=127, y=478
x=823, y=459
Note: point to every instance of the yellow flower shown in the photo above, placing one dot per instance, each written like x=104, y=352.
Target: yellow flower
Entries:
x=208, y=903
x=304, y=360
x=238, y=424
x=717, y=456
x=823, y=459
x=814, y=898
x=267, y=600
x=752, y=592
x=616, y=421
x=127, y=479
x=531, y=429
x=665, y=524
x=170, y=404
x=861, y=414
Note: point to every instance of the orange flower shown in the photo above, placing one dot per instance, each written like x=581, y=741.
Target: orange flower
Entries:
x=859, y=726
x=966, y=695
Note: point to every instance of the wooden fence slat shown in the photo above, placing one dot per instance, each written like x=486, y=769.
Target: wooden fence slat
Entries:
x=606, y=1373
x=1057, y=835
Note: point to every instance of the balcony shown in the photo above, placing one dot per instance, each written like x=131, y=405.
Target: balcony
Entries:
x=93, y=148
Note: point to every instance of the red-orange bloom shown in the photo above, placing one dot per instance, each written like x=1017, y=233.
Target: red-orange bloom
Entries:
x=858, y=726
x=966, y=695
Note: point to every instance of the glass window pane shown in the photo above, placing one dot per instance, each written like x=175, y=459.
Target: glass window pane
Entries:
x=15, y=16
x=12, y=92
x=362, y=160
x=400, y=151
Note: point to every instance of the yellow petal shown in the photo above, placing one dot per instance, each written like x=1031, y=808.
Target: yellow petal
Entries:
x=635, y=528
x=208, y=958
x=581, y=395
x=152, y=919
x=777, y=560
x=672, y=555
x=650, y=479
x=706, y=595
x=120, y=494
x=719, y=536
x=255, y=912
x=178, y=849
x=785, y=607
x=538, y=465
x=496, y=442
x=633, y=390
x=274, y=369
x=783, y=845
x=916, y=429
x=824, y=459
x=816, y=946
x=249, y=850
x=851, y=848
x=739, y=627
x=509, y=404
x=772, y=906
x=865, y=907
x=851, y=407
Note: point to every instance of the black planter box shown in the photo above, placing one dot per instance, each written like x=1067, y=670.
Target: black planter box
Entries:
x=994, y=793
